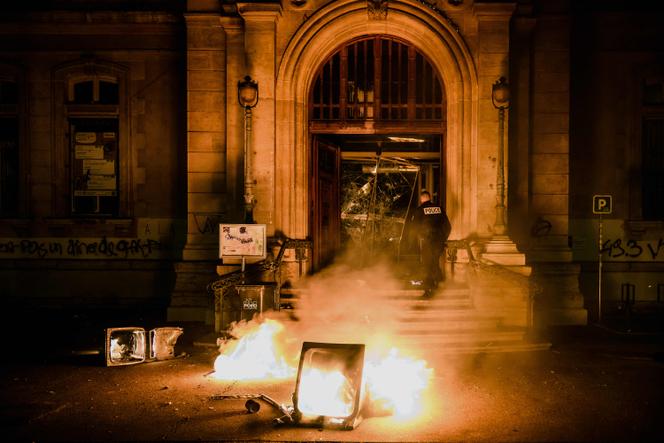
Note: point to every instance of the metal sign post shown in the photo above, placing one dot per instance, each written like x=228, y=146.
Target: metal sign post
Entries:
x=602, y=205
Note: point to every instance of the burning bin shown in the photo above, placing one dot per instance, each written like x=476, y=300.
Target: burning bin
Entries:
x=256, y=299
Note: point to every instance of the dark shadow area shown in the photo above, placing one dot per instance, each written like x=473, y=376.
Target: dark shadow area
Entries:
x=75, y=335
x=602, y=339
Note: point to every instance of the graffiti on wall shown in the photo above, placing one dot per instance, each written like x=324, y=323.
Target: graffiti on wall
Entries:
x=208, y=223
x=152, y=238
x=81, y=248
x=618, y=243
x=633, y=249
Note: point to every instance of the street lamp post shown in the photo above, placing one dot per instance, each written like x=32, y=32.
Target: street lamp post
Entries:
x=247, y=96
x=500, y=96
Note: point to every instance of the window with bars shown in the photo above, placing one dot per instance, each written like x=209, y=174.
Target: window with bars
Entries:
x=377, y=78
x=652, y=148
x=94, y=141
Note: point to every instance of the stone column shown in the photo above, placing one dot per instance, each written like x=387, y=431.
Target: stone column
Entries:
x=520, y=125
x=206, y=165
x=500, y=287
x=560, y=301
x=235, y=65
x=493, y=54
x=260, y=26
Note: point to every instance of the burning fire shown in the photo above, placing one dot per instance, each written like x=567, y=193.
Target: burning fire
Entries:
x=327, y=393
x=396, y=383
x=255, y=356
x=393, y=383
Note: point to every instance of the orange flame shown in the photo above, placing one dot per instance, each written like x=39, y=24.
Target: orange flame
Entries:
x=255, y=356
x=394, y=383
x=327, y=393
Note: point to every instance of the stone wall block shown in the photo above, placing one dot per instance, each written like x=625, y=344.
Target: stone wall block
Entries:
x=206, y=121
x=205, y=37
x=206, y=182
x=206, y=80
x=550, y=164
x=550, y=101
x=205, y=162
x=550, y=204
x=551, y=123
x=205, y=141
x=550, y=184
x=214, y=101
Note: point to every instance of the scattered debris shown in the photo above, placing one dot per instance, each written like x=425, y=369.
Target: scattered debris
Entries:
x=253, y=406
x=129, y=345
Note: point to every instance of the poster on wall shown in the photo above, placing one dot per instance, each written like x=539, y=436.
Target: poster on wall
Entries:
x=95, y=164
x=242, y=240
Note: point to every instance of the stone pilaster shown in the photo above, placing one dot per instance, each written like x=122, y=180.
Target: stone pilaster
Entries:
x=518, y=169
x=260, y=27
x=493, y=62
x=236, y=68
x=206, y=164
x=493, y=53
x=501, y=284
x=560, y=301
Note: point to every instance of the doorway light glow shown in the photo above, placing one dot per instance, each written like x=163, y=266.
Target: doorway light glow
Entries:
x=406, y=139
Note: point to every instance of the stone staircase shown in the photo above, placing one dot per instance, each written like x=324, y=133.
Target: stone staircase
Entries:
x=449, y=322
x=446, y=322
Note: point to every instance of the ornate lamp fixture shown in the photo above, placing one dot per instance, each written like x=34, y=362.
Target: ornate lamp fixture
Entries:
x=500, y=96
x=247, y=96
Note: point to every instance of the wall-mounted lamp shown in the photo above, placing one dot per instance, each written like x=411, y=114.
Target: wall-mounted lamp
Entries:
x=500, y=97
x=247, y=96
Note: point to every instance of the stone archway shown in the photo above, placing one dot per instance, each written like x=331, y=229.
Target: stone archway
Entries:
x=317, y=38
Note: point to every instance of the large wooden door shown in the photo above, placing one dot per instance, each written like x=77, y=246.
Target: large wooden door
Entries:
x=325, y=217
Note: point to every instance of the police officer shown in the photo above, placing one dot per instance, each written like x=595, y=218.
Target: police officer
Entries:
x=432, y=228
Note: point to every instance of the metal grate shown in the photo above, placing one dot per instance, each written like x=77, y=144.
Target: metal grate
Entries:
x=377, y=78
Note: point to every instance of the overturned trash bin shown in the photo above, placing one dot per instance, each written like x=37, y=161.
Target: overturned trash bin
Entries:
x=328, y=389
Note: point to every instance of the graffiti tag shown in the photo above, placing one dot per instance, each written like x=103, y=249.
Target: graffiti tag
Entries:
x=129, y=248
x=632, y=249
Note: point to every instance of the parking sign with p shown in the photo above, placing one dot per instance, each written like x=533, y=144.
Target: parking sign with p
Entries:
x=602, y=204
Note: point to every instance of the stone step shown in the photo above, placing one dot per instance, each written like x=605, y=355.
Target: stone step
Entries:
x=451, y=323
x=484, y=347
x=414, y=294
x=438, y=304
x=466, y=337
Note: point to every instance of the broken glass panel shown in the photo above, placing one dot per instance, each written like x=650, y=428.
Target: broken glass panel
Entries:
x=376, y=198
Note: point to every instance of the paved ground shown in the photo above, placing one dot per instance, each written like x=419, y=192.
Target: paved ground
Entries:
x=592, y=385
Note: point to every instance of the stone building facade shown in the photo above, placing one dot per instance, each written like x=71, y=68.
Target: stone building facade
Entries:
x=126, y=143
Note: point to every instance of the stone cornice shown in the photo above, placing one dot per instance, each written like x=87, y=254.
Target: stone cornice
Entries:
x=202, y=18
x=260, y=11
x=494, y=11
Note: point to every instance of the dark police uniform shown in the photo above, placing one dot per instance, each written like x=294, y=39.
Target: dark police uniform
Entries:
x=432, y=228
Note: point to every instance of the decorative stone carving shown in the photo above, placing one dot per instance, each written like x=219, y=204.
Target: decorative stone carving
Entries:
x=377, y=9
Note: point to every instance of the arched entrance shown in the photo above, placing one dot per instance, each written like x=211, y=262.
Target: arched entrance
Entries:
x=376, y=115
x=316, y=41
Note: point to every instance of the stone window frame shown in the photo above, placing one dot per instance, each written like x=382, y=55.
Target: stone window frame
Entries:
x=15, y=73
x=638, y=224
x=64, y=77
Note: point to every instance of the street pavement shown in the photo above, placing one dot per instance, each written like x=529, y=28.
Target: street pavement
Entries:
x=593, y=384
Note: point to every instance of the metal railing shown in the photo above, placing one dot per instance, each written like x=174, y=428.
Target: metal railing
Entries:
x=221, y=287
